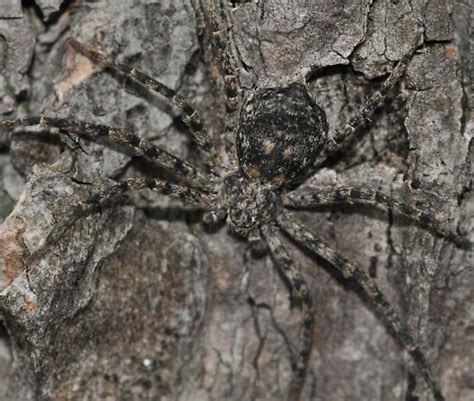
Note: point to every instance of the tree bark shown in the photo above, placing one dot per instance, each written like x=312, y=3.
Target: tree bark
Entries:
x=139, y=302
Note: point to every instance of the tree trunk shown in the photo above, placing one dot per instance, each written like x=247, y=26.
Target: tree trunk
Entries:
x=139, y=302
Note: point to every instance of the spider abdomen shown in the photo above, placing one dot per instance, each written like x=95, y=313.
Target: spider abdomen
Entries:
x=281, y=132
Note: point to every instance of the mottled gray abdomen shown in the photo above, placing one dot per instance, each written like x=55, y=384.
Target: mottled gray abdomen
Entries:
x=281, y=132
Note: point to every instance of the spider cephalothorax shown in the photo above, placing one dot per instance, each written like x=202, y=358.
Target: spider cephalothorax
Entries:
x=251, y=204
x=281, y=135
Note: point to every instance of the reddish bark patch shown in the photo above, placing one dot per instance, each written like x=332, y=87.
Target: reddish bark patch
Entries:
x=30, y=304
x=11, y=250
x=450, y=52
x=78, y=69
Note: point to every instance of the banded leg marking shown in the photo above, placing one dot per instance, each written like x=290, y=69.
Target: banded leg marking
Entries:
x=100, y=200
x=351, y=270
x=137, y=145
x=300, y=292
x=191, y=117
x=349, y=195
x=219, y=40
x=372, y=103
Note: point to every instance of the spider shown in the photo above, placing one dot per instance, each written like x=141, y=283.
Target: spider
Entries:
x=281, y=140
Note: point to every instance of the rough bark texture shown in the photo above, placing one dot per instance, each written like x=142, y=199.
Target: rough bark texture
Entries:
x=139, y=302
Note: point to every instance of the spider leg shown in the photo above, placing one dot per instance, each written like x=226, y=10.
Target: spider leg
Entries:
x=371, y=104
x=135, y=144
x=216, y=212
x=351, y=270
x=220, y=39
x=300, y=292
x=349, y=195
x=190, y=117
x=102, y=199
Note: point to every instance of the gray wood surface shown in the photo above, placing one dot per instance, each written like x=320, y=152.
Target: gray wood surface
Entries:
x=139, y=302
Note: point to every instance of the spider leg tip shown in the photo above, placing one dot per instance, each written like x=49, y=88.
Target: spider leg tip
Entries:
x=465, y=244
x=78, y=211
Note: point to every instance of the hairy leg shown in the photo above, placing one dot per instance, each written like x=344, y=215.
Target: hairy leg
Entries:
x=134, y=144
x=351, y=270
x=300, y=293
x=102, y=199
x=221, y=57
x=190, y=117
x=345, y=132
x=349, y=195
x=220, y=40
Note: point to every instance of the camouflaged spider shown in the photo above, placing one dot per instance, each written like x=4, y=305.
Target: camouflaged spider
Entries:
x=282, y=138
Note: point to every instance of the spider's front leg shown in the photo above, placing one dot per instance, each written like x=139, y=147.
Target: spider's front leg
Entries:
x=301, y=294
x=101, y=200
x=351, y=270
x=348, y=195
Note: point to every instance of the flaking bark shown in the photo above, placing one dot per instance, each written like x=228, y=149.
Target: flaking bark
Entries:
x=139, y=302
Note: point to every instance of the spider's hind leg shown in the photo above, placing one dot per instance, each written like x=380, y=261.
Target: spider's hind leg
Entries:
x=351, y=270
x=224, y=68
x=191, y=117
x=301, y=294
x=373, y=102
x=220, y=41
